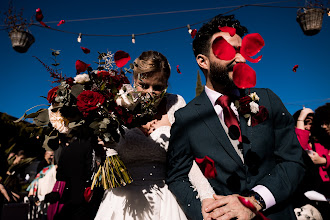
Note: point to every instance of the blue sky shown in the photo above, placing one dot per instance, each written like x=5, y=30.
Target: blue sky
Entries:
x=25, y=80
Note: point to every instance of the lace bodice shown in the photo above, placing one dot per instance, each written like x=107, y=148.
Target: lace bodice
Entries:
x=145, y=157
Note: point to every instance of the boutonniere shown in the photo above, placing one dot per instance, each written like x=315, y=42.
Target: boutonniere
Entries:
x=249, y=107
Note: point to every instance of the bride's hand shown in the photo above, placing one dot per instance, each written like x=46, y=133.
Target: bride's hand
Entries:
x=154, y=124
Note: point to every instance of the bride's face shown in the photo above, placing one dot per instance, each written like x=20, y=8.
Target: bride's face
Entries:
x=154, y=84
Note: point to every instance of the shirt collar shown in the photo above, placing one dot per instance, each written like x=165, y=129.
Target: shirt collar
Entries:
x=213, y=95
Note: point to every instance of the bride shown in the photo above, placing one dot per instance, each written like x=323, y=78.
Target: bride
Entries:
x=143, y=150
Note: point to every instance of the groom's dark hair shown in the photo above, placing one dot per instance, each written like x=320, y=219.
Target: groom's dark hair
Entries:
x=201, y=43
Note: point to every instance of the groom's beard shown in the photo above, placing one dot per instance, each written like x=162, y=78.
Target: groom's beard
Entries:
x=219, y=74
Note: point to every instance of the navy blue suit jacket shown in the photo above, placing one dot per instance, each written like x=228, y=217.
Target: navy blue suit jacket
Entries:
x=272, y=154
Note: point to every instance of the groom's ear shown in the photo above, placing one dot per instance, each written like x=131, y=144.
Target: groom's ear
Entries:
x=203, y=61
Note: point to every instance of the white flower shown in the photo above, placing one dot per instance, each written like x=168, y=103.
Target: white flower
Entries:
x=254, y=107
x=127, y=97
x=254, y=96
x=81, y=78
x=58, y=121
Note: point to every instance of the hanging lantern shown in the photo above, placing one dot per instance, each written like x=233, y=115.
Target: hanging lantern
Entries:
x=21, y=40
x=310, y=20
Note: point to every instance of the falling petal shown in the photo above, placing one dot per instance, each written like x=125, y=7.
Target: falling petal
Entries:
x=295, y=68
x=222, y=49
x=39, y=15
x=244, y=76
x=121, y=58
x=251, y=45
x=85, y=50
x=43, y=24
x=61, y=22
x=230, y=30
x=207, y=167
x=177, y=69
x=81, y=66
x=193, y=33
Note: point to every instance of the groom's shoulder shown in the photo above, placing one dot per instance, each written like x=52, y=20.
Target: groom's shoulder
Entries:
x=190, y=106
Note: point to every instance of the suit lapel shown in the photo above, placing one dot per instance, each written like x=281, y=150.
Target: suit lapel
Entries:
x=206, y=111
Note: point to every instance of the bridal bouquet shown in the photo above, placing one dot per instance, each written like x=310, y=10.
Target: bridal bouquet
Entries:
x=104, y=100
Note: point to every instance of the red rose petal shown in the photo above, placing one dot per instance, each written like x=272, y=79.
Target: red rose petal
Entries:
x=177, y=69
x=222, y=49
x=206, y=165
x=81, y=66
x=39, y=15
x=121, y=58
x=251, y=45
x=61, y=22
x=230, y=30
x=193, y=33
x=295, y=68
x=85, y=50
x=244, y=76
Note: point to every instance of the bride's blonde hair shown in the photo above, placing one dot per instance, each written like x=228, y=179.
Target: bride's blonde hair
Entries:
x=150, y=62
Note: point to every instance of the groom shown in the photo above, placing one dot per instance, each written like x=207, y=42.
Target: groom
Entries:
x=258, y=158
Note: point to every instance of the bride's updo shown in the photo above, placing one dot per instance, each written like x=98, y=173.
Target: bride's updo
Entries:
x=150, y=62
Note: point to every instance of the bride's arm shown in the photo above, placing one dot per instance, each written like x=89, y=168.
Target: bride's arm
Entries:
x=200, y=183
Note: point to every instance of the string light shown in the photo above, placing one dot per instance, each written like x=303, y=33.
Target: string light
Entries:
x=133, y=38
x=189, y=29
x=79, y=38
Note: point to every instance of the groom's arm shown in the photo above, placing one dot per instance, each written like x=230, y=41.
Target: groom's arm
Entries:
x=283, y=180
x=179, y=163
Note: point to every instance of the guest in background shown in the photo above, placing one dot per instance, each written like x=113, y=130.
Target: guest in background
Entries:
x=46, y=161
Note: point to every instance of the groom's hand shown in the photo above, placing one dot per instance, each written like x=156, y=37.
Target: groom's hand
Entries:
x=226, y=208
x=205, y=203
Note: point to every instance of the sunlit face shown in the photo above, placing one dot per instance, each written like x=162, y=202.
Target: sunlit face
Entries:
x=221, y=71
x=154, y=84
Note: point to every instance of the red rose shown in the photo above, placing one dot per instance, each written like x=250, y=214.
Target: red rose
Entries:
x=89, y=101
x=244, y=104
x=69, y=81
x=103, y=73
x=261, y=116
x=52, y=94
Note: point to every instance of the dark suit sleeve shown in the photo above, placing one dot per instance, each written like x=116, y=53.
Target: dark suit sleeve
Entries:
x=289, y=170
x=179, y=163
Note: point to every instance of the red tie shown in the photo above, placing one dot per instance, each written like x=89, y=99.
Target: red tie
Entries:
x=231, y=121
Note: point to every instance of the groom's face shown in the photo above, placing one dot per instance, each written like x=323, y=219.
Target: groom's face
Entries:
x=221, y=71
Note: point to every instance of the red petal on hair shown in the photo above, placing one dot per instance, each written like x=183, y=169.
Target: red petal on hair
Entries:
x=81, y=66
x=207, y=167
x=85, y=50
x=244, y=76
x=295, y=68
x=230, y=30
x=251, y=45
x=61, y=22
x=177, y=69
x=121, y=58
x=222, y=49
x=193, y=33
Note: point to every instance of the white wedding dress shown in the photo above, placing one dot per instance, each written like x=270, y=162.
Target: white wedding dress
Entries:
x=148, y=197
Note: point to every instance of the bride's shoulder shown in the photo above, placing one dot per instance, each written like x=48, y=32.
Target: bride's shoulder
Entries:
x=174, y=103
x=175, y=100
